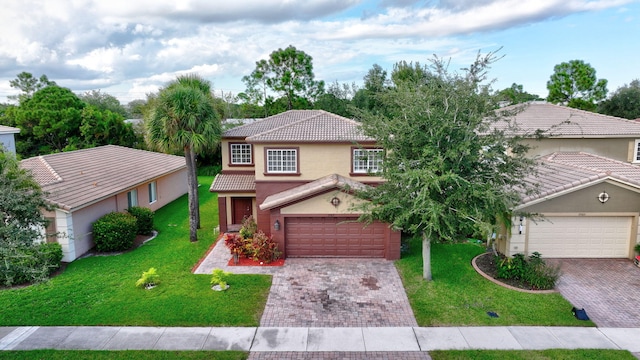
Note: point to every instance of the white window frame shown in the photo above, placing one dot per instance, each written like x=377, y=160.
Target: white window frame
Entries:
x=282, y=161
x=366, y=161
x=636, y=151
x=132, y=198
x=239, y=154
x=153, y=192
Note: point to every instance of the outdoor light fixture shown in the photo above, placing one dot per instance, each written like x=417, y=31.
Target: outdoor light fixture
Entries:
x=603, y=197
x=276, y=225
x=335, y=201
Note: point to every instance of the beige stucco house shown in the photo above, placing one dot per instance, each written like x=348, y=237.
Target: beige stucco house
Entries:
x=7, y=138
x=589, y=177
x=87, y=184
x=294, y=172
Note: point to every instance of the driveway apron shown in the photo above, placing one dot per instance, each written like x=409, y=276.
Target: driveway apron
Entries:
x=608, y=289
x=337, y=293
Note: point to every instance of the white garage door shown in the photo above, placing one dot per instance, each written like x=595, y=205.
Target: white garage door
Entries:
x=581, y=237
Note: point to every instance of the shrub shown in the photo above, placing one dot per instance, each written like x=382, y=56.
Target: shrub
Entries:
x=264, y=248
x=114, y=232
x=29, y=264
x=209, y=170
x=149, y=278
x=144, y=219
x=249, y=227
x=219, y=277
x=532, y=271
x=234, y=242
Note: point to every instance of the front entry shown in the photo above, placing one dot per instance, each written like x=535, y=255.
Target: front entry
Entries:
x=242, y=208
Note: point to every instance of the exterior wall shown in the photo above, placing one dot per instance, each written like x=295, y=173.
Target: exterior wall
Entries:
x=83, y=220
x=614, y=148
x=264, y=189
x=168, y=188
x=321, y=204
x=315, y=161
x=8, y=142
x=64, y=227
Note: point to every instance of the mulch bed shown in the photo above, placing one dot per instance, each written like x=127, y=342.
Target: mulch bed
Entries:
x=487, y=264
x=243, y=261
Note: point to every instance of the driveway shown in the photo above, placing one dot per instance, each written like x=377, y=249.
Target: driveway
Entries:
x=608, y=289
x=326, y=292
x=337, y=293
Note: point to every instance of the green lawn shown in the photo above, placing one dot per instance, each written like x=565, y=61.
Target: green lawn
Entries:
x=124, y=355
x=101, y=290
x=554, y=354
x=459, y=296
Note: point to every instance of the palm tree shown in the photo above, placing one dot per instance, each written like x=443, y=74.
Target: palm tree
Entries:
x=183, y=119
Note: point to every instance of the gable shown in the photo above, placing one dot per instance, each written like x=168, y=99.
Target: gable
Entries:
x=321, y=204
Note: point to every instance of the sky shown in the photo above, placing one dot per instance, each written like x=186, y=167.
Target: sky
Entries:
x=129, y=48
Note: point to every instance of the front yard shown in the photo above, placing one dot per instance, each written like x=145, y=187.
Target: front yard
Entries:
x=459, y=296
x=101, y=290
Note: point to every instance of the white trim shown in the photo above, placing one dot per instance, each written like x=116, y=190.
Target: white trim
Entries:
x=636, y=152
x=281, y=162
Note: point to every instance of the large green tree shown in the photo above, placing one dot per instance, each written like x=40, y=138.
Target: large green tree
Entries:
x=448, y=174
x=515, y=94
x=624, y=102
x=184, y=119
x=104, y=101
x=575, y=84
x=21, y=223
x=375, y=83
x=28, y=85
x=289, y=73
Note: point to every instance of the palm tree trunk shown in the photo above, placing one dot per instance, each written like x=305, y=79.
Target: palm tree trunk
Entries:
x=193, y=195
x=426, y=257
x=195, y=185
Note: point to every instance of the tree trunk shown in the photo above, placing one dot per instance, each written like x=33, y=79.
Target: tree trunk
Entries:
x=195, y=186
x=426, y=257
x=193, y=196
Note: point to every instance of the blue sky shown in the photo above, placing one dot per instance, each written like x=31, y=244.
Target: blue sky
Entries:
x=131, y=48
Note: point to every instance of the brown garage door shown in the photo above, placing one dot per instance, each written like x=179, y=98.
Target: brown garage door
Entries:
x=334, y=237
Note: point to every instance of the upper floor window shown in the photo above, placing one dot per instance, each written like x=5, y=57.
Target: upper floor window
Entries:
x=636, y=151
x=282, y=161
x=241, y=154
x=153, y=192
x=367, y=160
x=132, y=198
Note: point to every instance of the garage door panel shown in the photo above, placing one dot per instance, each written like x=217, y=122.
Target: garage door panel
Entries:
x=333, y=237
x=581, y=236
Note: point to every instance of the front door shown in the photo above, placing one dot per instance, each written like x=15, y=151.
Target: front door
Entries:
x=242, y=208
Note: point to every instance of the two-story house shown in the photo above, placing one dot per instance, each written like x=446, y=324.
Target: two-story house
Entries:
x=294, y=173
x=589, y=185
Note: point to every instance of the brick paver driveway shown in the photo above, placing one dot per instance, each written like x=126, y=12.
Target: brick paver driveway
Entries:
x=337, y=292
x=608, y=289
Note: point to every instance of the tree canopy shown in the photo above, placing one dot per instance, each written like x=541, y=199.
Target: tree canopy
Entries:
x=624, y=102
x=21, y=223
x=448, y=174
x=515, y=95
x=575, y=84
x=289, y=73
x=104, y=101
x=28, y=84
x=184, y=119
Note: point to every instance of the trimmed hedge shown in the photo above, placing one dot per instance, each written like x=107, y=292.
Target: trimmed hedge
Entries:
x=144, y=218
x=115, y=232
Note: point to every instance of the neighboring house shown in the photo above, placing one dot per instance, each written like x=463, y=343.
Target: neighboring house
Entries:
x=7, y=138
x=589, y=178
x=294, y=172
x=87, y=184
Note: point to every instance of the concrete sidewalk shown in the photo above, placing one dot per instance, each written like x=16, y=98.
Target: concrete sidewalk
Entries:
x=310, y=339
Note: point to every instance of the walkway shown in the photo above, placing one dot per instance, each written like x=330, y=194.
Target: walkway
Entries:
x=318, y=340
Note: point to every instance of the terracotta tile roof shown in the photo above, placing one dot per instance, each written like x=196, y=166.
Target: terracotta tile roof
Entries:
x=310, y=189
x=8, y=130
x=301, y=126
x=233, y=182
x=79, y=178
x=563, y=171
x=565, y=122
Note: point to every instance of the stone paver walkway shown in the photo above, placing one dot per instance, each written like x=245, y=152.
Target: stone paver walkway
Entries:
x=337, y=292
x=608, y=289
